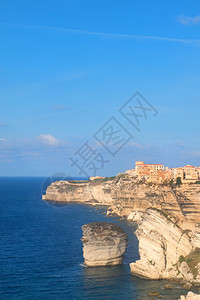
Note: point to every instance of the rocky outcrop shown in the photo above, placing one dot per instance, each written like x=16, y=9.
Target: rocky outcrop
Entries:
x=124, y=194
x=195, y=236
x=185, y=271
x=189, y=267
x=190, y=296
x=161, y=243
x=188, y=197
x=167, y=218
x=166, y=251
x=104, y=244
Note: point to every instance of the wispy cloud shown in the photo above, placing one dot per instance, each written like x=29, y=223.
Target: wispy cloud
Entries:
x=2, y=124
x=179, y=144
x=44, y=146
x=192, y=154
x=30, y=155
x=138, y=145
x=196, y=153
x=71, y=76
x=185, y=20
x=49, y=140
x=60, y=107
x=60, y=30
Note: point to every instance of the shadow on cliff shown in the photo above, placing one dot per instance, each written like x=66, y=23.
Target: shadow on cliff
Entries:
x=132, y=251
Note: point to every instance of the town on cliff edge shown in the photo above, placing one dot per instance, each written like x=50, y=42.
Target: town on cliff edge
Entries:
x=157, y=173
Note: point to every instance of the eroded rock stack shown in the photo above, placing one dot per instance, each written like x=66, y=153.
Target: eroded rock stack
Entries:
x=104, y=244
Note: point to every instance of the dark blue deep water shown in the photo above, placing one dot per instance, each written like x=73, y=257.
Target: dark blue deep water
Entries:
x=41, y=251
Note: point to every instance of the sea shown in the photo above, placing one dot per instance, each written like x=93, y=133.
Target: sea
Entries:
x=41, y=250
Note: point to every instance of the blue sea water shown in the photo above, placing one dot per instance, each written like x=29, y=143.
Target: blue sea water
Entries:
x=41, y=251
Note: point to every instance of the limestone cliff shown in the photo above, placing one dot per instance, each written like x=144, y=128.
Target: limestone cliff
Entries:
x=123, y=195
x=161, y=243
x=168, y=221
x=104, y=244
x=166, y=251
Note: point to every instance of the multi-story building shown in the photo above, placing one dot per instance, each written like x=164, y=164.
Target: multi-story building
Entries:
x=190, y=173
x=142, y=165
x=149, y=172
x=178, y=172
x=156, y=176
x=157, y=173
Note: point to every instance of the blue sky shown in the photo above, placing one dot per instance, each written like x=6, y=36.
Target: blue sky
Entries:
x=66, y=67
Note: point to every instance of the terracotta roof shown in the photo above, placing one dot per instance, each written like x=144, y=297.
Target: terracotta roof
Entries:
x=189, y=166
x=154, y=164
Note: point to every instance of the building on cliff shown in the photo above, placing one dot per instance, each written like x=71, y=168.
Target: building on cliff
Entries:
x=157, y=173
x=188, y=174
x=140, y=165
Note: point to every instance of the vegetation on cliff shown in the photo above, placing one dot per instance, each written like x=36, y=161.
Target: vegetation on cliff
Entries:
x=193, y=259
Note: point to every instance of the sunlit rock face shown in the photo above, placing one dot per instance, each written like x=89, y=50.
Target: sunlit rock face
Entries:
x=125, y=195
x=104, y=244
x=190, y=296
x=167, y=218
x=161, y=243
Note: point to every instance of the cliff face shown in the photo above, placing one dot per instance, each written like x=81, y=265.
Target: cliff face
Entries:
x=124, y=195
x=190, y=296
x=168, y=221
x=104, y=244
x=161, y=243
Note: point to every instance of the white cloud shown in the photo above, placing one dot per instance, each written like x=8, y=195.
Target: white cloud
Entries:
x=49, y=140
x=2, y=124
x=184, y=20
x=137, y=145
x=3, y=140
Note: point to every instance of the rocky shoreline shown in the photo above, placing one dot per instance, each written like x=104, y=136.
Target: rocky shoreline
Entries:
x=167, y=222
x=124, y=194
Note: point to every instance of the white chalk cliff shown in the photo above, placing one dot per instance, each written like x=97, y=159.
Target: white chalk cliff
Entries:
x=104, y=244
x=168, y=220
x=161, y=243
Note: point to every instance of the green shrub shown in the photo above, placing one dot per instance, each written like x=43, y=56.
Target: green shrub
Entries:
x=181, y=258
x=109, y=178
x=178, y=181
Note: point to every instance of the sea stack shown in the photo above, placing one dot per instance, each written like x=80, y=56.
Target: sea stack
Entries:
x=104, y=244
